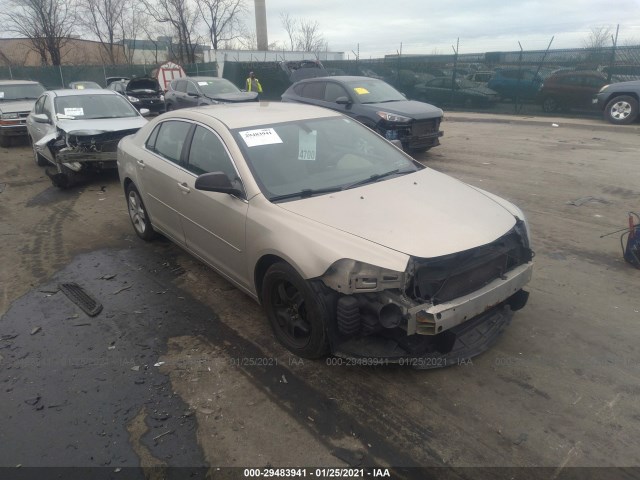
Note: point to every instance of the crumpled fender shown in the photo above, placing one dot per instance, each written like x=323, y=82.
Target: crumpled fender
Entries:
x=42, y=145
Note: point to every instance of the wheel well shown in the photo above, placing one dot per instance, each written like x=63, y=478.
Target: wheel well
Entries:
x=619, y=94
x=261, y=268
x=126, y=183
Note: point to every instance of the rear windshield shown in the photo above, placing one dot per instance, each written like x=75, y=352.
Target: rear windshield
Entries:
x=21, y=92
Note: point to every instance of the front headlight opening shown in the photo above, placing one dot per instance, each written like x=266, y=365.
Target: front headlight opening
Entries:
x=393, y=117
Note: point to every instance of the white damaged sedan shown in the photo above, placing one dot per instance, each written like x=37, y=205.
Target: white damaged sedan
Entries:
x=351, y=246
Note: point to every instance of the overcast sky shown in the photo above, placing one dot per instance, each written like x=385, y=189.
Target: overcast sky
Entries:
x=427, y=26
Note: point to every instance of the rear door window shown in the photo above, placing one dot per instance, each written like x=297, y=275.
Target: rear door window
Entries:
x=170, y=139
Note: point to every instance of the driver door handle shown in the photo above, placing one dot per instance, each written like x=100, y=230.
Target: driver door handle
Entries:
x=140, y=163
x=183, y=186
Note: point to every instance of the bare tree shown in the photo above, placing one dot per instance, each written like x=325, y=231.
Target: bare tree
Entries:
x=222, y=18
x=598, y=37
x=131, y=23
x=48, y=24
x=290, y=25
x=310, y=39
x=105, y=20
x=303, y=34
x=183, y=19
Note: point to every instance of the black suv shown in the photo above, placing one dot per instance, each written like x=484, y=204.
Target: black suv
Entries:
x=619, y=101
x=197, y=91
x=142, y=92
x=375, y=104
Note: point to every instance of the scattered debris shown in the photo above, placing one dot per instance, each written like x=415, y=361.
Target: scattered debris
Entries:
x=284, y=379
x=108, y=277
x=581, y=201
x=136, y=368
x=206, y=411
x=33, y=400
x=122, y=290
x=82, y=298
x=50, y=291
x=81, y=324
x=111, y=347
x=35, y=330
x=521, y=438
x=158, y=364
x=163, y=434
x=555, y=125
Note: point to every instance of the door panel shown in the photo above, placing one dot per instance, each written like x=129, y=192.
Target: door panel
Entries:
x=214, y=223
x=159, y=173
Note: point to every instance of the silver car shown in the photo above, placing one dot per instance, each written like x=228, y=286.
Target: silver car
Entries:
x=77, y=131
x=350, y=245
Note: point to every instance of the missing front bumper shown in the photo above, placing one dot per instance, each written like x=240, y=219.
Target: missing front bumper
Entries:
x=453, y=347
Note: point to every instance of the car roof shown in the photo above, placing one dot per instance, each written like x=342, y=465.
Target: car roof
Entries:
x=202, y=78
x=18, y=82
x=70, y=92
x=253, y=114
x=341, y=78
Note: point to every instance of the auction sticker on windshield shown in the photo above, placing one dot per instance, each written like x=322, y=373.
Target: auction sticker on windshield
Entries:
x=74, y=112
x=203, y=83
x=307, y=145
x=262, y=136
x=360, y=90
x=1, y=94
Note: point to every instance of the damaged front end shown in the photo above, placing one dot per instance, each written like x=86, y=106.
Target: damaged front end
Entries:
x=438, y=312
x=76, y=154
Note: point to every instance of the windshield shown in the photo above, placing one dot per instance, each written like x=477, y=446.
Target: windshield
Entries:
x=20, y=92
x=464, y=83
x=370, y=90
x=83, y=85
x=317, y=156
x=85, y=107
x=217, y=87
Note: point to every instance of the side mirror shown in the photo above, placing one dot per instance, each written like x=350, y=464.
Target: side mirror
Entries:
x=40, y=118
x=145, y=112
x=217, y=182
x=343, y=101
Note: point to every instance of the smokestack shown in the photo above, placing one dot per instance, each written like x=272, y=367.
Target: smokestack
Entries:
x=261, y=24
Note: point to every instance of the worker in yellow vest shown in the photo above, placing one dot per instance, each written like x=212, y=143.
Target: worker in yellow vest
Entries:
x=253, y=84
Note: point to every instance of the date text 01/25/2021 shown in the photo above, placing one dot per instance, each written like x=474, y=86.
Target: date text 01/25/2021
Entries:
x=316, y=473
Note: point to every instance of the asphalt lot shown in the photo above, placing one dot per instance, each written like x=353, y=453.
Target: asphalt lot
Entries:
x=177, y=349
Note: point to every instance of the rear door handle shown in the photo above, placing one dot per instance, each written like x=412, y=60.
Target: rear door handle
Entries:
x=140, y=163
x=183, y=186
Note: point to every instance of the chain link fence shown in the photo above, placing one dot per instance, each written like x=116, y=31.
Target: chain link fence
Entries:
x=53, y=77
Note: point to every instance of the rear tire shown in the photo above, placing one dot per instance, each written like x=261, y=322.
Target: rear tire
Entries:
x=298, y=315
x=138, y=214
x=621, y=110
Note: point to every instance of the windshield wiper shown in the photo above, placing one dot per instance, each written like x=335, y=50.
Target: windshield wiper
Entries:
x=374, y=178
x=305, y=193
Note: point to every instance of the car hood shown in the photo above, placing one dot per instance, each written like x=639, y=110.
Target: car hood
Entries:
x=426, y=214
x=410, y=108
x=234, y=97
x=101, y=124
x=15, y=106
x=143, y=85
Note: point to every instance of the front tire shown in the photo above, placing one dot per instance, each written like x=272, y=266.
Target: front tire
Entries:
x=298, y=315
x=621, y=110
x=138, y=214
